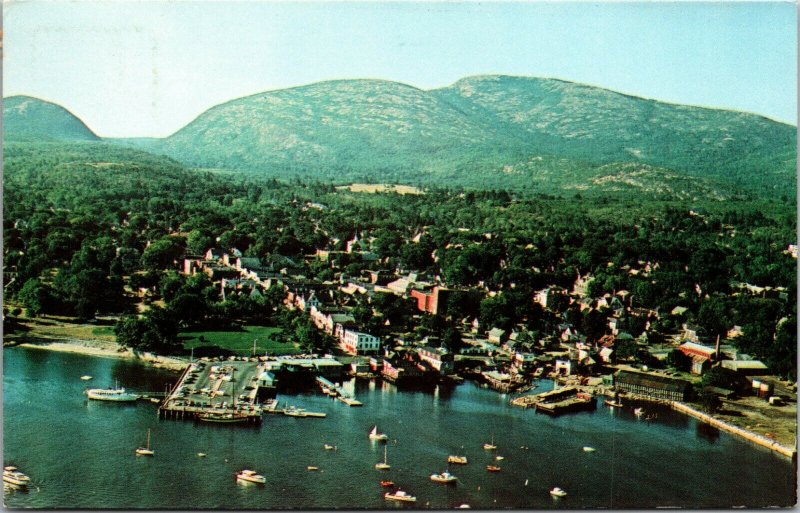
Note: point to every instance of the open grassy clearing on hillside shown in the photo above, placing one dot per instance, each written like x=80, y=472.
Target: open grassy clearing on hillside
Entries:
x=240, y=341
x=373, y=188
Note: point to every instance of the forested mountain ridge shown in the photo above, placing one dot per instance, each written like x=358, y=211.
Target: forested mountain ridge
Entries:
x=485, y=132
x=31, y=119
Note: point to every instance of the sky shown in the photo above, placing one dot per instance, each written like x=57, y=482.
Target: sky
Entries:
x=147, y=68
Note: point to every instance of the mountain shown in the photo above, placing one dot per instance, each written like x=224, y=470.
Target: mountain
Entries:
x=485, y=131
x=32, y=119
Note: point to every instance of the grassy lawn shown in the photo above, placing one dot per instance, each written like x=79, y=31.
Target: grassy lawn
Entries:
x=239, y=341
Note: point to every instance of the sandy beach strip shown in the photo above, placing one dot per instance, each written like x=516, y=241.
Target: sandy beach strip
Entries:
x=106, y=350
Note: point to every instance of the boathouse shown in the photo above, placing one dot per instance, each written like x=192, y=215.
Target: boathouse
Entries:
x=652, y=385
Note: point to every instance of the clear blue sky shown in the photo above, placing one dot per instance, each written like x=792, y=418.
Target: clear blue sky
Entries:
x=148, y=68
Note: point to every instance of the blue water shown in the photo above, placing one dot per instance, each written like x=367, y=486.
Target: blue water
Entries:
x=79, y=454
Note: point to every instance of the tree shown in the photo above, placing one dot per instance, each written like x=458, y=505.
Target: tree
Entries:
x=163, y=253
x=35, y=297
x=709, y=401
x=678, y=360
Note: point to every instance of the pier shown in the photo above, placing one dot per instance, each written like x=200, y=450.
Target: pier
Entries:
x=225, y=391
x=334, y=390
x=554, y=402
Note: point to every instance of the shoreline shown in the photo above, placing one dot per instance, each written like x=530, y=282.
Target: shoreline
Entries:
x=101, y=349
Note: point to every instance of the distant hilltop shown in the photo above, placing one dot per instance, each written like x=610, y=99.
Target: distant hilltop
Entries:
x=480, y=131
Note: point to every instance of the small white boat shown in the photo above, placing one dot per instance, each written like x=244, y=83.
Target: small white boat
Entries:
x=444, y=477
x=586, y=448
x=146, y=450
x=464, y=506
x=312, y=468
x=638, y=412
x=201, y=455
x=250, y=476
x=499, y=458
x=384, y=465
x=329, y=447
x=399, y=495
x=557, y=492
x=374, y=435
x=86, y=378
x=459, y=460
x=12, y=475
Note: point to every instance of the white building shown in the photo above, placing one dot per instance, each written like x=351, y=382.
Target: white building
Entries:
x=355, y=342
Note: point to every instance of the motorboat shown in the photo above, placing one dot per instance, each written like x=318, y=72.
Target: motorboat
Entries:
x=117, y=394
x=312, y=468
x=464, y=506
x=557, y=492
x=251, y=476
x=613, y=404
x=499, y=458
x=201, y=455
x=374, y=435
x=492, y=468
x=12, y=475
x=459, y=460
x=387, y=484
x=586, y=448
x=399, y=495
x=444, y=477
x=86, y=378
x=384, y=465
x=146, y=450
x=329, y=447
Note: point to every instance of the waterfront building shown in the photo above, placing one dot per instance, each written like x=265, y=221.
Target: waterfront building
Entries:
x=438, y=358
x=356, y=342
x=652, y=385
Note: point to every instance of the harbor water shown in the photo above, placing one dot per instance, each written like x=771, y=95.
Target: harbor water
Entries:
x=80, y=453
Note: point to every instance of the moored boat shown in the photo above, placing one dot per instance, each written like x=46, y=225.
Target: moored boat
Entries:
x=493, y=468
x=399, y=495
x=557, y=492
x=384, y=465
x=146, y=450
x=222, y=417
x=312, y=468
x=12, y=475
x=387, y=484
x=251, y=476
x=444, y=477
x=374, y=435
x=459, y=460
x=490, y=446
x=86, y=378
x=588, y=449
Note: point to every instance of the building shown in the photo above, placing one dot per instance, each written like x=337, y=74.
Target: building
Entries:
x=355, y=342
x=652, y=385
x=437, y=358
x=746, y=367
x=496, y=335
x=433, y=302
x=702, y=356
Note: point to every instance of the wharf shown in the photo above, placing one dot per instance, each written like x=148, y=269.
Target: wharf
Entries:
x=336, y=391
x=554, y=402
x=228, y=388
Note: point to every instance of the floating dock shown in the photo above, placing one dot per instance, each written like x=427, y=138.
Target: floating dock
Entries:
x=334, y=390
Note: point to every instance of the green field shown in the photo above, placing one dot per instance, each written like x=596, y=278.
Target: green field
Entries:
x=239, y=341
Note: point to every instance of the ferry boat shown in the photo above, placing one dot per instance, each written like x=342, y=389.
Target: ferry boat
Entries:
x=12, y=475
x=222, y=417
x=557, y=492
x=374, y=435
x=399, y=495
x=111, y=394
x=459, y=460
x=250, y=476
x=444, y=477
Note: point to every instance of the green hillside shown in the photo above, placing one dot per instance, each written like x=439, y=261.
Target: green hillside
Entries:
x=31, y=119
x=481, y=131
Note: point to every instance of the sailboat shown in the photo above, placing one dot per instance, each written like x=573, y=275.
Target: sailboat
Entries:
x=146, y=450
x=490, y=446
x=385, y=465
x=374, y=435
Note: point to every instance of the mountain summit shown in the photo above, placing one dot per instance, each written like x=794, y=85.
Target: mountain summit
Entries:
x=28, y=118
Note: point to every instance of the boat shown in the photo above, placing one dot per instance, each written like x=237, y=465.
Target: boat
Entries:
x=12, y=475
x=374, y=435
x=638, y=412
x=444, y=477
x=312, y=468
x=329, y=447
x=222, y=417
x=459, y=460
x=291, y=411
x=316, y=415
x=499, y=458
x=385, y=464
x=146, y=450
x=613, y=404
x=250, y=476
x=399, y=495
x=111, y=394
x=557, y=492
x=201, y=455
x=86, y=378
x=464, y=506
x=387, y=484
x=492, y=468
x=586, y=448
x=490, y=446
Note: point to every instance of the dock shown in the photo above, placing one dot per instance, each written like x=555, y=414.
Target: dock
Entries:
x=226, y=391
x=336, y=391
x=555, y=402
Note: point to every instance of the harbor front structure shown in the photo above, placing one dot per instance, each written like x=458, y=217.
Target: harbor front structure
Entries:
x=652, y=385
x=356, y=342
